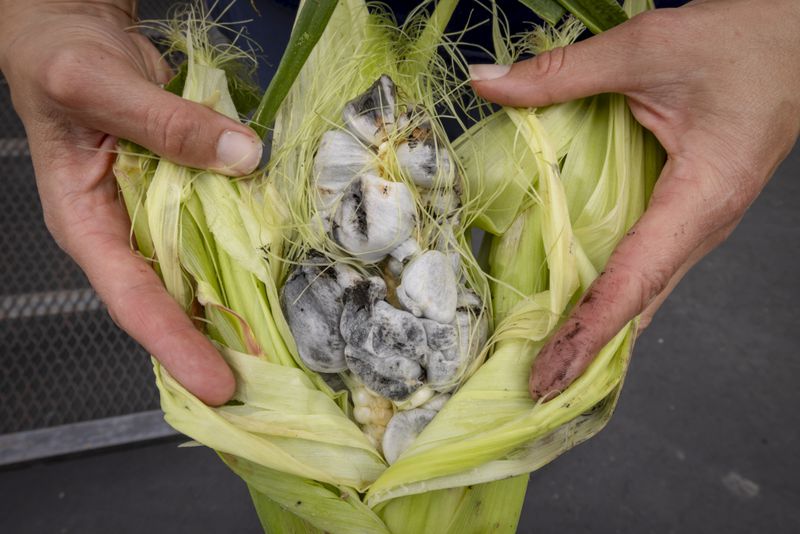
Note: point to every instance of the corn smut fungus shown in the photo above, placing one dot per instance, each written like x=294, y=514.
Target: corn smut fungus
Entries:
x=381, y=368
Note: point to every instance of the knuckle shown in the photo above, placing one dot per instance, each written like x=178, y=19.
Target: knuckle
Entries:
x=644, y=284
x=706, y=204
x=729, y=194
x=547, y=64
x=63, y=77
x=174, y=129
x=652, y=282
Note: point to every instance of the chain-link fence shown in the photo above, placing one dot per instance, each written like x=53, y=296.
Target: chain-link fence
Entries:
x=62, y=359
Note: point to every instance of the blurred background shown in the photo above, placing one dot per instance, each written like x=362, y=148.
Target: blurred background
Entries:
x=705, y=439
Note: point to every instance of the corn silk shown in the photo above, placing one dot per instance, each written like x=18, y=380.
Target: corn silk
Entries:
x=554, y=189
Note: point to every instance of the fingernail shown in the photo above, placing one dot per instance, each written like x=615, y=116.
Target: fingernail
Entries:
x=486, y=72
x=238, y=152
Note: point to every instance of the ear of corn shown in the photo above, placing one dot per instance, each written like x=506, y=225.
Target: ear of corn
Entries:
x=491, y=507
x=557, y=188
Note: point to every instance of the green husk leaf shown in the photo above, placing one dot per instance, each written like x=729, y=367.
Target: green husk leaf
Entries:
x=284, y=423
x=521, y=244
x=134, y=170
x=332, y=509
x=492, y=507
x=549, y=11
x=634, y=7
x=274, y=518
x=597, y=15
x=176, y=83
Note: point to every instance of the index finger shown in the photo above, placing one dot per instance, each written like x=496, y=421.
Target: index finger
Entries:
x=138, y=301
x=674, y=225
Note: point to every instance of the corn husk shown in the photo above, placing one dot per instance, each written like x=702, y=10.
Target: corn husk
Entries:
x=557, y=188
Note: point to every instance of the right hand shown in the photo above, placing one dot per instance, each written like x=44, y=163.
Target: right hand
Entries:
x=79, y=79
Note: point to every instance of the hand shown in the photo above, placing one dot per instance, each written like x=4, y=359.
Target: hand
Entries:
x=79, y=78
x=717, y=83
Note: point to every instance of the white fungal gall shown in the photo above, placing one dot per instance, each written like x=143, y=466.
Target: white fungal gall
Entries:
x=393, y=377
x=473, y=330
x=312, y=303
x=340, y=158
x=468, y=300
x=394, y=267
x=455, y=345
x=437, y=403
x=396, y=332
x=442, y=368
x=357, y=303
x=428, y=287
x=402, y=430
x=421, y=156
x=372, y=114
x=425, y=164
x=419, y=398
x=373, y=217
x=401, y=332
x=406, y=249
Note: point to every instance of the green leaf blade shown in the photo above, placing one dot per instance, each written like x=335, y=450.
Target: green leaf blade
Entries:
x=311, y=22
x=549, y=11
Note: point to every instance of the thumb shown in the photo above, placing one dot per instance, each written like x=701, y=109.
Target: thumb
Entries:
x=600, y=64
x=128, y=106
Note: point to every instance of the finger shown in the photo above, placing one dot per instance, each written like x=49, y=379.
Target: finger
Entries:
x=712, y=242
x=675, y=224
x=138, y=302
x=601, y=64
x=119, y=101
x=649, y=312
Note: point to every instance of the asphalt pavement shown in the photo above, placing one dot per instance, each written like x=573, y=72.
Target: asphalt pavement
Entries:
x=705, y=438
